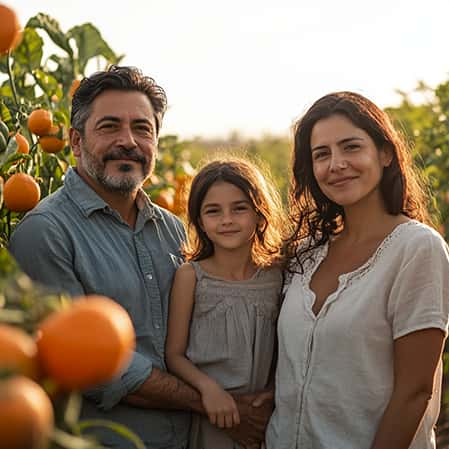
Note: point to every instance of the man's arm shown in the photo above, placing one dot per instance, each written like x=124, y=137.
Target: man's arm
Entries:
x=45, y=253
x=165, y=391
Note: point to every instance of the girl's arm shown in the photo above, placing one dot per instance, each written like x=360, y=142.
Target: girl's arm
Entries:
x=416, y=357
x=219, y=405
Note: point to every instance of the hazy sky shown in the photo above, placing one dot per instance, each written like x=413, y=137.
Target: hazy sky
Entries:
x=256, y=65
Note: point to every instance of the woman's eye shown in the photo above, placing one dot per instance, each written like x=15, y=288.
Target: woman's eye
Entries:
x=319, y=155
x=352, y=147
x=211, y=211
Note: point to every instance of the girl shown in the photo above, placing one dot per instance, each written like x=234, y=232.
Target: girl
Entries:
x=365, y=315
x=225, y=299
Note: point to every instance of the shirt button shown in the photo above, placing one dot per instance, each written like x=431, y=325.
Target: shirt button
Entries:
x=149, y=276
x=157, y=326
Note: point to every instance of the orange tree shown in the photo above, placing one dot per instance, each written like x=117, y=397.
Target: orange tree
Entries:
x=35, y=98
x=36, y=87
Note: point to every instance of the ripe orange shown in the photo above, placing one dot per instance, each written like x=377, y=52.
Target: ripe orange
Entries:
x=73, y=87
x=51, y=143
x=18, y=352
x=164, y=199
x=26, y=414
x=2, y=182
x=21, y=192
x=87, y=344
x=40, y=122
x=183, y=182
x=22, y=144
x=10, y=29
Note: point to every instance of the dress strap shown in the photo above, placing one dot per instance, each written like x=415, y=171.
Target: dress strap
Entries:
x=198, y=270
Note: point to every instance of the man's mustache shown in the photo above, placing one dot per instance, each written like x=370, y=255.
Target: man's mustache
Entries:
x=120, y=154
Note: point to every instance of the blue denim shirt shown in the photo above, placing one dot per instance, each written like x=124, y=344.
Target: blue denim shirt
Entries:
x=74, y=241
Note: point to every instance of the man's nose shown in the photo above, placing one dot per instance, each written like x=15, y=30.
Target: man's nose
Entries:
x=126, y=138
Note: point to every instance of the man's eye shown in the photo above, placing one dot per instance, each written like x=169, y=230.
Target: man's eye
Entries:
x=145, y=129
x=108, y=126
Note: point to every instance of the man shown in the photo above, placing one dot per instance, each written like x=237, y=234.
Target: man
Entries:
x=101, y=234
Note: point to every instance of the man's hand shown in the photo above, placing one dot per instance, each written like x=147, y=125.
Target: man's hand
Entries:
x=255, y=410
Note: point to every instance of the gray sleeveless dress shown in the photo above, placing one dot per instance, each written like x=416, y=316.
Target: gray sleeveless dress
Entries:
x=232, y=336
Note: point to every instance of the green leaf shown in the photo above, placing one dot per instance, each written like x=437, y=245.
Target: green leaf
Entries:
x=48, y=83
x=90, y=44
x=29, y=52
x=8, y=264
x=10, y=152
x=5, y=113
x=51, y=27
x=64, y=73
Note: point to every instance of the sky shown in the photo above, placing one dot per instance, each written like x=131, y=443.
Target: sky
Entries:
x=255, y=66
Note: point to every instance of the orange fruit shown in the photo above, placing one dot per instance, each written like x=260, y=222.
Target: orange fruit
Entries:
x=10, y=29
x=87, y=344
x=74, y=87
x=22, y=144
x=2, y=183
x=51, y=143
x=26, y=414
x=181, y=194
x=40, y=122
x=18, y=351
x=21, y=192
x=164, y=199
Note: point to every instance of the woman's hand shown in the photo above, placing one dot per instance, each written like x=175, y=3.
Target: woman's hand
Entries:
x=220, y=406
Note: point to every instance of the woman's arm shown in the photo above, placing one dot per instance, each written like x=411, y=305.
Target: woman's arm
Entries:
x=416, y=357
x=219, y=405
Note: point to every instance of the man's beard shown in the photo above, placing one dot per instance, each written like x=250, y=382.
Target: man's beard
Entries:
x=126, y=183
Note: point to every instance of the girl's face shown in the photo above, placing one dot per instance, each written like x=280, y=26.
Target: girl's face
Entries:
x=347, y=165
x=228, y=217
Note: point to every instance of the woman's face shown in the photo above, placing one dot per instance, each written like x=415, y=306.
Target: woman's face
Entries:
x=347, y=165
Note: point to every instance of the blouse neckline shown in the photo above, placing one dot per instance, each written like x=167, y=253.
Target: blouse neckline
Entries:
x=347, y=278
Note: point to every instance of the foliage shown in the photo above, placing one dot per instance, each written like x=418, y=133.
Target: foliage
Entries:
x=426, y=126
x=34, y=80
x=30, y=80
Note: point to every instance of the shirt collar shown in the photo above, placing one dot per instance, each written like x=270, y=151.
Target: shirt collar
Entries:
x=89, y=201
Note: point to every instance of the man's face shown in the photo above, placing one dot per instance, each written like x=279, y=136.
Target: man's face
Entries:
x=119, y=146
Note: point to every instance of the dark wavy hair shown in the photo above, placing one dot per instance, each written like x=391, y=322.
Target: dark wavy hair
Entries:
x=116, y=78
x=262, y=195
x=315, y=217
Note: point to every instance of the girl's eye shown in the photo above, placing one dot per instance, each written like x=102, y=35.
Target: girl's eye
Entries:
x=211, y=211
x=242, y=208
x=352, y=147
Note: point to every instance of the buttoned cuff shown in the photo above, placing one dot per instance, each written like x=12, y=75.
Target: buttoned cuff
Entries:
x=108, y=395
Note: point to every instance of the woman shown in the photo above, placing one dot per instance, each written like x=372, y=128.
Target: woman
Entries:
x=365, y=314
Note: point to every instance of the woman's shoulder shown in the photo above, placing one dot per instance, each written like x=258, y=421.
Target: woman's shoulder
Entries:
x=414, y=235
x=417, y=243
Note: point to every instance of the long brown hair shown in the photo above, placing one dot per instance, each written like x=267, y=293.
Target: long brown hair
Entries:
x=315, y=217
x=262, y=195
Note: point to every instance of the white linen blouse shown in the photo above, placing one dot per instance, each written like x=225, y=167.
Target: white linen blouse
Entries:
x=335, y=370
